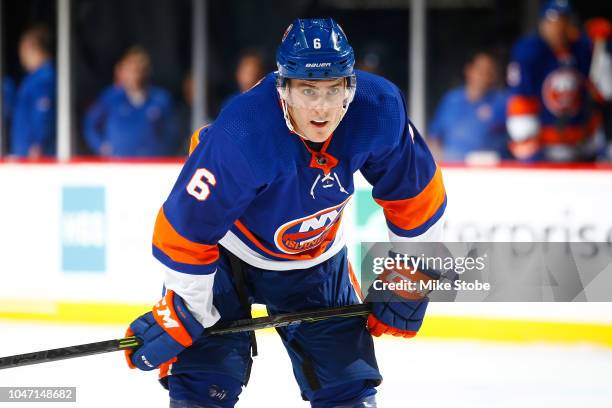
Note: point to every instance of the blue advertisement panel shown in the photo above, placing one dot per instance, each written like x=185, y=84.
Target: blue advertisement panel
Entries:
x=83, y=229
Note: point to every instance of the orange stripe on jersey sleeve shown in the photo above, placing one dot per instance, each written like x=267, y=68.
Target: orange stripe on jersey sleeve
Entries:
x=522, y=105
x=411, y=213
x=195, y=139
x=179, y=248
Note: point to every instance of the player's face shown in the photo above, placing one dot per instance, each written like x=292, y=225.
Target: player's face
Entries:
x=481, y=73
x=556, y=31
x=249, y=71
x=316, y=107
x=28, y=54
x=133, y=72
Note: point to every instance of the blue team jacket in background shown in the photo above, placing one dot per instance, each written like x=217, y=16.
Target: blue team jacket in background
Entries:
x=9, y=92
x=132, y=131
x=34, y=116
x=463, y=126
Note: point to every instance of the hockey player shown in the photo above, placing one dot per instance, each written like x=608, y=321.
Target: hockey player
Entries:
x=551, y=114
x=256, y=217
x=470, y=119
x=33, y=122
x=132, y=118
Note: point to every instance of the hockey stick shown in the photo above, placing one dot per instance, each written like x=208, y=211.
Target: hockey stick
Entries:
x=235, y=326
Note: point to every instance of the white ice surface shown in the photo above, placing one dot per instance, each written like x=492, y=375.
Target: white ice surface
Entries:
x=418, y=373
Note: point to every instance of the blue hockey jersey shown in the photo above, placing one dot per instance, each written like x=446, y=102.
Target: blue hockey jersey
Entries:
x=259, y=190
x=132, y=131
x=551, y=102
x=33, y=120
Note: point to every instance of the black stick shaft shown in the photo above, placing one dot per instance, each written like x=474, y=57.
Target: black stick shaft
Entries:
x=63, y=353
x=236, y=326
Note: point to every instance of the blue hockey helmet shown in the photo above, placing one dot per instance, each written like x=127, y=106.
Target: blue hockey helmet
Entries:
x=315, y=49
x=553, y=9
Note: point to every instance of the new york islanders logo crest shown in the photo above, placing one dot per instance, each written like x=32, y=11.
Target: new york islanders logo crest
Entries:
x=562, y=90
x=309, y=232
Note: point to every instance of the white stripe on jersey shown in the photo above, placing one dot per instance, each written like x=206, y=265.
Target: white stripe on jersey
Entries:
x=435, y=233
x=197, y=293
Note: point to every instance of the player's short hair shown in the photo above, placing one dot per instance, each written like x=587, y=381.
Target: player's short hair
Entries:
x=252, y=53
x=472, y=56
x=40, y=36
x=138, y=52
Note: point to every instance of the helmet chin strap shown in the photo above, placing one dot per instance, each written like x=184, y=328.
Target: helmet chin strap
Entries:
x=289, y=124
x=288, y=118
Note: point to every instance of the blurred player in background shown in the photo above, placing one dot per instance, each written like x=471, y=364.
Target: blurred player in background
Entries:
x=249, y=70
x=33, y=124
x=552, y=113
x=255, y=217
x=600, y=31
x=132, y=118
x=470, y=120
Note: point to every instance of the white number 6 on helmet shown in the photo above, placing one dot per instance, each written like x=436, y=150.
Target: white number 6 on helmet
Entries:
x=197, y=187
x=316, y=43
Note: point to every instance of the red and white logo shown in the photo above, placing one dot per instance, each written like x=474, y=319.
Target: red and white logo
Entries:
x=562, y=90
x=309, y=232
x=484, y=112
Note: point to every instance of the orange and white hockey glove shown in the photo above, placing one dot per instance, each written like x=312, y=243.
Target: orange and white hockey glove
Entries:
x=165, y=331
x=398, y=301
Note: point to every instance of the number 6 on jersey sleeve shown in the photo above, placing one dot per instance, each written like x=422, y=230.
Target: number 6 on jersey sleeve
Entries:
x=198, y=186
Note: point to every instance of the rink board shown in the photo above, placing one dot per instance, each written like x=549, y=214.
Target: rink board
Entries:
x=75, y=240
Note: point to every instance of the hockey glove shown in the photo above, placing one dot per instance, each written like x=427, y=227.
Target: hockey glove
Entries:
x=398, y=301
x=165, y=331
